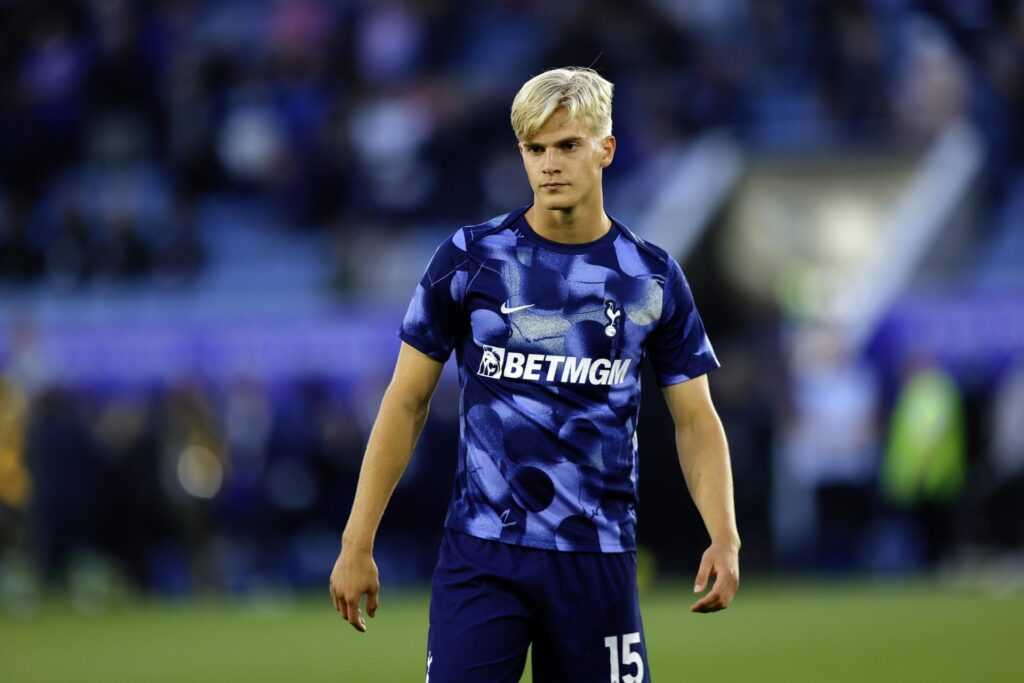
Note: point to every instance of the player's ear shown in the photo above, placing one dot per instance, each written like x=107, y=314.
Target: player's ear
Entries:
x=607, y=151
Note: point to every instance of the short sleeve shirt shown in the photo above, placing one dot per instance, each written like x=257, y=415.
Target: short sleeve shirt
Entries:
x=549, y=339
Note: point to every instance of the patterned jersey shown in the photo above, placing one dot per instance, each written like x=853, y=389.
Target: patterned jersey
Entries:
x=549, y=338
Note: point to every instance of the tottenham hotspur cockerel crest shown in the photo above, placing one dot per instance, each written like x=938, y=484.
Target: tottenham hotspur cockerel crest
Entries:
x=613, y=315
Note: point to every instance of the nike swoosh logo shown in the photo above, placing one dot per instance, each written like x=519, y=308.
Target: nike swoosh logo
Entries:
x=505, y=308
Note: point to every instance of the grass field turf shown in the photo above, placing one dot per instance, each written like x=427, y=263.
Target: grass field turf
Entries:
x=773, y=632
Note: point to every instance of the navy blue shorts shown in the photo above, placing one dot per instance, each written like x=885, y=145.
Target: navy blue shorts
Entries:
x=490, y=601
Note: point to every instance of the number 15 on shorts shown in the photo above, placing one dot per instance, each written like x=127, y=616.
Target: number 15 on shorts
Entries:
x=629, y=657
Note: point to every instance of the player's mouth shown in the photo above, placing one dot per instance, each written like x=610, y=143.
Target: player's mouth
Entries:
x=554, y=186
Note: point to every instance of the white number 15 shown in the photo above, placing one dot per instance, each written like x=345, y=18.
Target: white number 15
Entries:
x=629, y=656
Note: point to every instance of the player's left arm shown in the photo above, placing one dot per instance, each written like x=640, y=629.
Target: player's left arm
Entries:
x=704, y=458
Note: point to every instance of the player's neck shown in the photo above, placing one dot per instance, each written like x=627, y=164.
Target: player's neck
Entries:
x=577, y=225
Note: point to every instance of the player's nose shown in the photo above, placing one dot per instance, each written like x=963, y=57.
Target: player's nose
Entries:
x=550, y=164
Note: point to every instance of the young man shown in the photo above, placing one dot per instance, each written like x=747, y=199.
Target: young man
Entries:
x=550, y=310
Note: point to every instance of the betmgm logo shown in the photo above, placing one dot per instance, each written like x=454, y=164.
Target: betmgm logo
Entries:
x=497, y=363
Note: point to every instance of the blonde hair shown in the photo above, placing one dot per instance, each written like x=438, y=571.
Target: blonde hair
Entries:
x=583, y=93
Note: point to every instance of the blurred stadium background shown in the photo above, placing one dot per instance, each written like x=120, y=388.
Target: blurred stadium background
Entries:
x=212, y=217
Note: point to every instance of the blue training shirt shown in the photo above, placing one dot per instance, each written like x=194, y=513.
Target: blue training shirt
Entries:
x=549, y=338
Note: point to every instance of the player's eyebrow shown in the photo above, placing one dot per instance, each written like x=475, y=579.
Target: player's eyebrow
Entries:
x=563, y=141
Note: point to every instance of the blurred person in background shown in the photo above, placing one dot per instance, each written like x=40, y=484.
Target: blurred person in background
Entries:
x=14, y=481
x=1005, y=489
x=551, y=309
x=830, y=451
x=925, y=463
x=62, y=459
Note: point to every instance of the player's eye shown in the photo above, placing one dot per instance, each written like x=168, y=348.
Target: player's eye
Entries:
x=534, y=149
x=569, y=146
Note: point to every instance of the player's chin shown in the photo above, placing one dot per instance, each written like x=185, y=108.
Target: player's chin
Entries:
x=557, y=203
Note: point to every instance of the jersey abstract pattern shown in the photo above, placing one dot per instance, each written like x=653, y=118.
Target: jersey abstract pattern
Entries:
x=549, y=338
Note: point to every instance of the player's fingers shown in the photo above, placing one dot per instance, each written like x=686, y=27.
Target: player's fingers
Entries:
x=717, y=599
x=705, y=607
x=340, y=605
x=703, y=574
x=371, y=602
x=334, y=596
x=709, y=603
x=354, y=617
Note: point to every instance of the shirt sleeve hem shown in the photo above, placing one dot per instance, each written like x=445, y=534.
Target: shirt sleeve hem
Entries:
x=696, y=371
x=419, y=345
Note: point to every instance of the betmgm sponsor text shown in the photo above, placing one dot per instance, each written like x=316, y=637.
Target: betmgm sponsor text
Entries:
x=497, y=362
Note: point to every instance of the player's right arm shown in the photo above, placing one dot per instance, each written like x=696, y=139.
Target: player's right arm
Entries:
x=400, y=420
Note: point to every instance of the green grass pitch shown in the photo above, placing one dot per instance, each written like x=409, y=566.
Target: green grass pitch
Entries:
x=773, y=632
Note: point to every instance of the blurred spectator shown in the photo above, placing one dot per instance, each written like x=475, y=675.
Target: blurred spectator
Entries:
x=1007, y=427
x=933, y=82
x=21, y=258
x=1006, y=460
x=924, y=458
x=852, y=73
x=830, y=447
x=132, y=511
x=925, y=462
x=15, y=487
x=27, y=366
x=50, y=97
x=67, y=483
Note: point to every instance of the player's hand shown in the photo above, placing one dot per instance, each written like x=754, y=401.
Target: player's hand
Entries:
x=354, y=575
x=721, y=560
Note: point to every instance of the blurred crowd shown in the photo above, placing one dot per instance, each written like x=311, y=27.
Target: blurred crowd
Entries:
x=122, y=118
